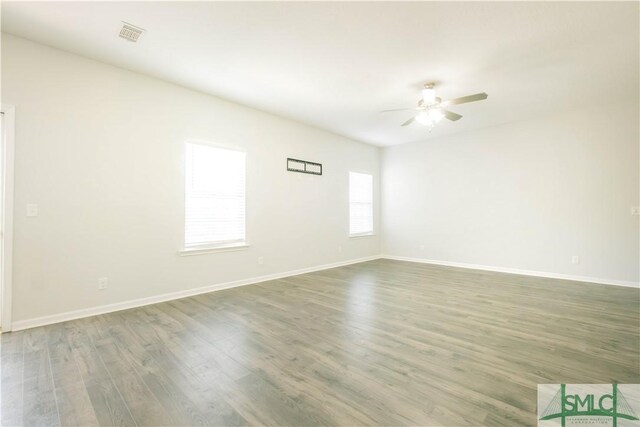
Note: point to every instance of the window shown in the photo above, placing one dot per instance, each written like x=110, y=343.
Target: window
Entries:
x=360, y=203
x=215, y=197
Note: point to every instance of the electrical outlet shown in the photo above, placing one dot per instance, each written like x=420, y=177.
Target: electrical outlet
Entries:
x=103, y=283
x=339, y=248
x=260, y=260
x=635, y=210
x=575, y=259
x=422, y=247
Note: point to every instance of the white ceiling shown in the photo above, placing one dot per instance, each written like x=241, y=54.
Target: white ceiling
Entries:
x=335, y=65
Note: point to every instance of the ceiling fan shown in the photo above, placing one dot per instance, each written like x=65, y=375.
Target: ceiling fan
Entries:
x=432, y=109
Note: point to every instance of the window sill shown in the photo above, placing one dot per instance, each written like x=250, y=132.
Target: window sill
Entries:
x=213, y=249
x=355, y=236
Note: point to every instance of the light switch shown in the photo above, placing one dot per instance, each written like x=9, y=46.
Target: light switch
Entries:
x=32, y=210
x=635, y=210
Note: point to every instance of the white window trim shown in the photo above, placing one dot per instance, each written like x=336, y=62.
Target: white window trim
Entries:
x=215, y=144
x=213, y=247
x=358, y=235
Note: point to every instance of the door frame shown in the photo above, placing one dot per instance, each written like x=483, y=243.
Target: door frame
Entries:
x=7, y=158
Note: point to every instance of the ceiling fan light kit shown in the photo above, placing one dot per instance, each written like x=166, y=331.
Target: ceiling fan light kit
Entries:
x=430, y=117
x=431, y=108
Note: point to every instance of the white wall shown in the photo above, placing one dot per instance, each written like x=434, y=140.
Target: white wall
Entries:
x=100, y=150
x=526, y=195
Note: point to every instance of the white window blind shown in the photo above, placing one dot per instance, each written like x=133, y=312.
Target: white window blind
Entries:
x=360, y=203
x=215, y=196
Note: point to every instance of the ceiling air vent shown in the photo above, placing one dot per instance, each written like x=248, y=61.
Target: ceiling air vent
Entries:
x=130, y=32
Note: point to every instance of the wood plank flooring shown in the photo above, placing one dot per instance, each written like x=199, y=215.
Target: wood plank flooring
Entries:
x=377, y=343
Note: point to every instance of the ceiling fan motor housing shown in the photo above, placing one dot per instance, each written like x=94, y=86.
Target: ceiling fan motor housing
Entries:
x=429, y=94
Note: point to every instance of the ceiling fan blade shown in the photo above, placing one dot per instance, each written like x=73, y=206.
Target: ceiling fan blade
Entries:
x=397, y=109
x=408, y=122
x=465, y=99
x=451, y=115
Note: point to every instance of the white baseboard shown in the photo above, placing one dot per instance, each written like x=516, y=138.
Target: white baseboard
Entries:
x=109, y=308
x=516, y=271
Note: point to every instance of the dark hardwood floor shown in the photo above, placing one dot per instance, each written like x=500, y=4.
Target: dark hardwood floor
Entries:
x=377, y=343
